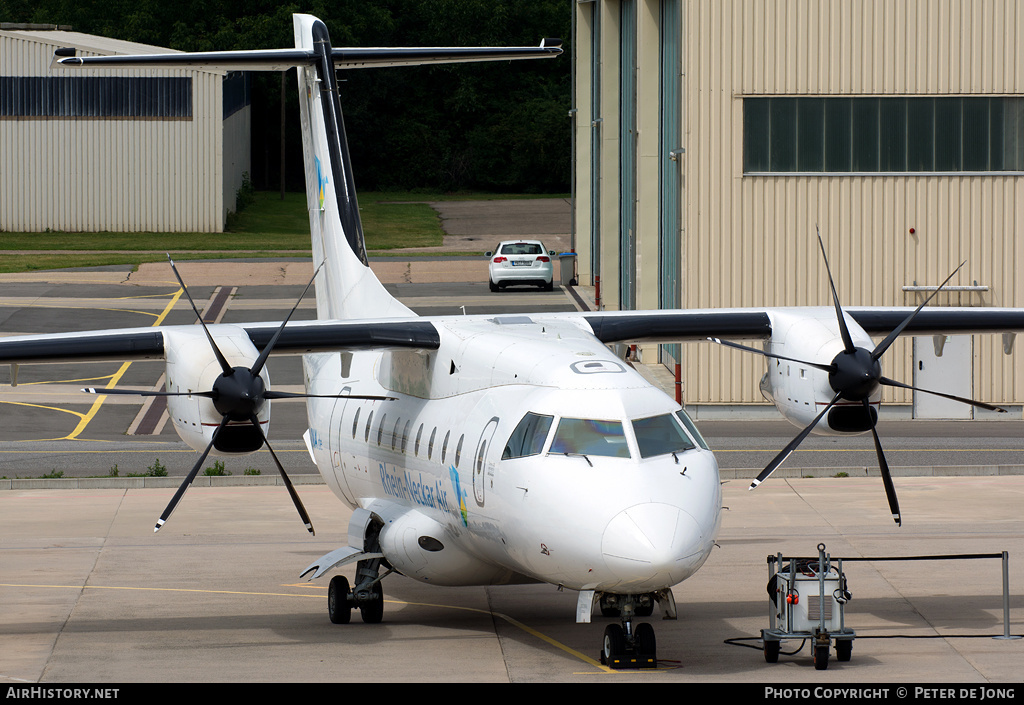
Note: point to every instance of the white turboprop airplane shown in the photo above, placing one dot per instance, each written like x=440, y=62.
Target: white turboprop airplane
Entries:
x=486, y=450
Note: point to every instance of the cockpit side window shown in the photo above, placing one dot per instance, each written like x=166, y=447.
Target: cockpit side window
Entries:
x=590, y=437
x=658, y=435
x=529, y=436
x=691, y=428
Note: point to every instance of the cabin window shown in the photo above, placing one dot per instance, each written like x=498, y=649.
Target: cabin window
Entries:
x=380, y=429
x=405, y=434
x=529, y=436
x=430, y=444
x=458, y=450
x=658, y=435
x=419, y=434
x=369, y=422
x=444, y=446
x=590, y=437
x=355, y=422
x=394, y=434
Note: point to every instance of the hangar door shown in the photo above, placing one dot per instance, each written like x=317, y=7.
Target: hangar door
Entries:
x=949, y=372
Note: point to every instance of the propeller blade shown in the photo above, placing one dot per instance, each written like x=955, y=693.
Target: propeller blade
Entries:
x=883, y=466
x=188, y=480
x=224, y=366
x=843, y=330
x=817, y=365
x=980, y=404
x=148, y=392
x=784, y=453
x=262, y=359
x=270, y=394
x=287, y=482
x=889, y=339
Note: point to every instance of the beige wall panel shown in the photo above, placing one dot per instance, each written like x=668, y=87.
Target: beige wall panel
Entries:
x=610, y=27
x=122, y=175
x=584, y=127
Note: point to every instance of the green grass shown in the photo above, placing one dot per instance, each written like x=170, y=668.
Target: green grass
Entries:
x=268, y=227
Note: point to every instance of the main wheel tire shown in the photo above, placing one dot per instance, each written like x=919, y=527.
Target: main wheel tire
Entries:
x=338, y=607
x=373, y=611
x=614, y=644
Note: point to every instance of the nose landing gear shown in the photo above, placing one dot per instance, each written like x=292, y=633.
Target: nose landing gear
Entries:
x=627, y=645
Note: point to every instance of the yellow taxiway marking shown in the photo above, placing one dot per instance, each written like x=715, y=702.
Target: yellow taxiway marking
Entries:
x=85, y=419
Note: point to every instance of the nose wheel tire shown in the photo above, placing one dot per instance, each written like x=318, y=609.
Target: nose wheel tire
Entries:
x=614, y=649
x=619, y=651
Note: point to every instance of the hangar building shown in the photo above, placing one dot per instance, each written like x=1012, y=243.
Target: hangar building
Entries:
x=117, y=150
x=712, y=138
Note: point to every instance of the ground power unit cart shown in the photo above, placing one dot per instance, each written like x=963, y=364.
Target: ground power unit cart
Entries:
x=807, y=597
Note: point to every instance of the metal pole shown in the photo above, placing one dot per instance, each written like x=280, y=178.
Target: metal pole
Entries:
x=1006, y=599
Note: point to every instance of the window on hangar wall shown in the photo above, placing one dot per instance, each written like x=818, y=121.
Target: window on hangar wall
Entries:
x=883, y=134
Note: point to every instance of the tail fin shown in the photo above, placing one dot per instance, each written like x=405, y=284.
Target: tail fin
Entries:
x=347, y=288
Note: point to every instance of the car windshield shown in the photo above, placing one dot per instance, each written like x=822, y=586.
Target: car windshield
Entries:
x=657, y=435
x=521, y=248
x=590, y=437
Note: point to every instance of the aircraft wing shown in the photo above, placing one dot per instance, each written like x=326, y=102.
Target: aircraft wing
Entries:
x=300, y=337
x=674, y=326
x=632, y=327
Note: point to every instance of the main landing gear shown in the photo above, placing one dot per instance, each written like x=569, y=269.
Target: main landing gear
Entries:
x=367, y=596
x=628, y=645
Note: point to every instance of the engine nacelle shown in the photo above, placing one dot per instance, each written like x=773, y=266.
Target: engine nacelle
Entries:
x=192, y=367
x=799, y=391
x=420, y=548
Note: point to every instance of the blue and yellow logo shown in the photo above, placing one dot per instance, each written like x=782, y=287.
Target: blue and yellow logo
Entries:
x=460, y=494
x=321, y=179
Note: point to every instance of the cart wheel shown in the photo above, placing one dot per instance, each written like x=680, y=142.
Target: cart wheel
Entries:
x=844, y=649
x=821, y=657
x=771, y=651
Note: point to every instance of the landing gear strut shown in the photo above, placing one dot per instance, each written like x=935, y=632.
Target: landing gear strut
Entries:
x=367, y=595
x=627, y=645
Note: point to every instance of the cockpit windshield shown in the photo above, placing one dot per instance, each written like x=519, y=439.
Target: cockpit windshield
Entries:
x=590, y=437
x=657, y=435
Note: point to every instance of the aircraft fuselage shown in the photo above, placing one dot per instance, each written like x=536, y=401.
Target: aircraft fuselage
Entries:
x=573, y=499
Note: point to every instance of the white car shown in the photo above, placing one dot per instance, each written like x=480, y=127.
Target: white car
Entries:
x=520, y=262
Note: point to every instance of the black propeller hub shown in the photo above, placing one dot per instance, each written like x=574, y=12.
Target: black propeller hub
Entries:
x=239, y=395
x=855, y=375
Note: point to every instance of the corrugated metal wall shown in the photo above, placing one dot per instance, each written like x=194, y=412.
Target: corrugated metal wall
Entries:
x=749, y=240
x=754, y=236
x=94, y=174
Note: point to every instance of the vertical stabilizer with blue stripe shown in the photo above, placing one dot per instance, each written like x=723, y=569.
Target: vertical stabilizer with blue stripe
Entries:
x=346, y=288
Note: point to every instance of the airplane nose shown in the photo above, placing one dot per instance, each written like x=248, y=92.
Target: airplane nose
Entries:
x=652, y=542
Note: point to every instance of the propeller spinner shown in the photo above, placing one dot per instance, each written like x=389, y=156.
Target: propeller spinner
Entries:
x=854, y=375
